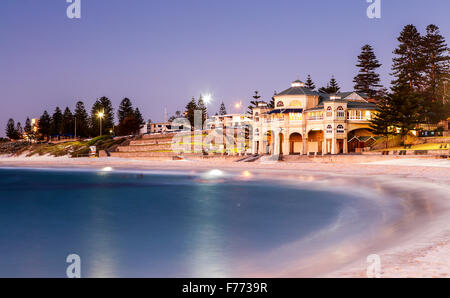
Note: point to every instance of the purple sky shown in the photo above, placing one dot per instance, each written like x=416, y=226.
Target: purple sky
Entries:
x=160, y=53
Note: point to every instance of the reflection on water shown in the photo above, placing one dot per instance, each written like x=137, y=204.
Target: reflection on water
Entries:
x=161, y=225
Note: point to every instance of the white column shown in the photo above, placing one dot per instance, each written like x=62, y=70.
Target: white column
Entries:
x=333, y=145
x=305, y=146
x=276, y=143
x=286, y=146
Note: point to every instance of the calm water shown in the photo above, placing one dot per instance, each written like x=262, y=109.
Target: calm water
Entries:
x=162, y=225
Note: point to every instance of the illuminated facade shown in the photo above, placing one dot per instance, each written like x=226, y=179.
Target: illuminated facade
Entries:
x=308, y=122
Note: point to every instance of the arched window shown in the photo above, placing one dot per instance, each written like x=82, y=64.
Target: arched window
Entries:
x=340, y=129
x=256, y=114
x=295, y=104
x=329, y=112
x=329, y=129
x=280, y=104
x=340, y=112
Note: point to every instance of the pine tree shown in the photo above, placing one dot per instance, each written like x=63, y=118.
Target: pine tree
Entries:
x=104, y=106
x=138, y=116
x=19, y=131
x=332, y=87
x=382, y=122
x=11, y=129
x=202, y=107
x=406, y=111
x=408, y=63
x=57, y=122
x=108, y=119
x=223, y=109
x=82, y=120
x=45, y=125
x=271, y=103
x=125, y=109
x=67, y=122
x=190, y=111
x=309, y=83
x=367, y=80
x=436, y=61
x=29, y=130
x=254, y=102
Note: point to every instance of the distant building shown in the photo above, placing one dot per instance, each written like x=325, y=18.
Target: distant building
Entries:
x=161, y=127
x=230, y=121
x=308, y=122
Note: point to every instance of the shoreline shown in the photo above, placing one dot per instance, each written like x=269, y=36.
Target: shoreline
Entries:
x=423, y=253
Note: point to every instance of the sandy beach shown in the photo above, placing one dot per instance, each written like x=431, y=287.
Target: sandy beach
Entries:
x=423, y=253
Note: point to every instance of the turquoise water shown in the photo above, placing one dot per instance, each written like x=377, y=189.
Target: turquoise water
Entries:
x=160, y=225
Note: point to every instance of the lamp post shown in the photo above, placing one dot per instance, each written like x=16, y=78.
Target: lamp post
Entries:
x=100, y=116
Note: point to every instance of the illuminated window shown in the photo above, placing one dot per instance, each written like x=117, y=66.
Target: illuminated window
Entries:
x=295, y=116
x=329, y=112
x=340, y=112
x=280, y=104
x=340, y=129
x=296, y=104
x=329, y=129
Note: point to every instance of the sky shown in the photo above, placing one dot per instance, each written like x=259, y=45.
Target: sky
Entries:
x=161, y=53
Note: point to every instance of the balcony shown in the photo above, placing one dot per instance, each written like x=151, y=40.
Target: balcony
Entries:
x=314, y=118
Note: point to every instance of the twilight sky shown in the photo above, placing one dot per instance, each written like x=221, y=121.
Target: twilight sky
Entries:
x=160, y=53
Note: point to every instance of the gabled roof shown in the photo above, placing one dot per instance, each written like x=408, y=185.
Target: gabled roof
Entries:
x=361, y=105
x=344, y=95
x=298, y=91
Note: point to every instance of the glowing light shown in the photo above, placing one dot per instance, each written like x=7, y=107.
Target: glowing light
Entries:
x=207, y=98
x=216, y=173
x=107, y=169
x=238, y=105
x=213, y=174
x=100, y=114
x=246, y=174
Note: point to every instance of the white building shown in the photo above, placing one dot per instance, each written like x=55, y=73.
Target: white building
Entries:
x=308, y=122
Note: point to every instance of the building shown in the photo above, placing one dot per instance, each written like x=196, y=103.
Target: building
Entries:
x=158, y=128
x=308, y=122
x=229, y=121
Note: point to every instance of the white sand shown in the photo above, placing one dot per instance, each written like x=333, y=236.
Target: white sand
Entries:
x=426, y=254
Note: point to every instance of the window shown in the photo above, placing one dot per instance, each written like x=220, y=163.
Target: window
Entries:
x=295, y=104
x=355, y=115
x=315, y=116
x=329, y=112
x=329, y=129
x=280, y=104
x=340, y=129
x=295, y=116
x=340, y=112
x=256, y=114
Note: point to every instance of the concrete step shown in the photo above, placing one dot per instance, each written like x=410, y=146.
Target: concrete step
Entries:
x=158, y=136
x=151, y=142
x=143, y=154
x=135, y=148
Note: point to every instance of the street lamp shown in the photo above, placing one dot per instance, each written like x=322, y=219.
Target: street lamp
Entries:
x=100, y=116
x=238, y=106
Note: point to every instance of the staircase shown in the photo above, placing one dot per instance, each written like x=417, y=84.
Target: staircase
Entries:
x=149, y=146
